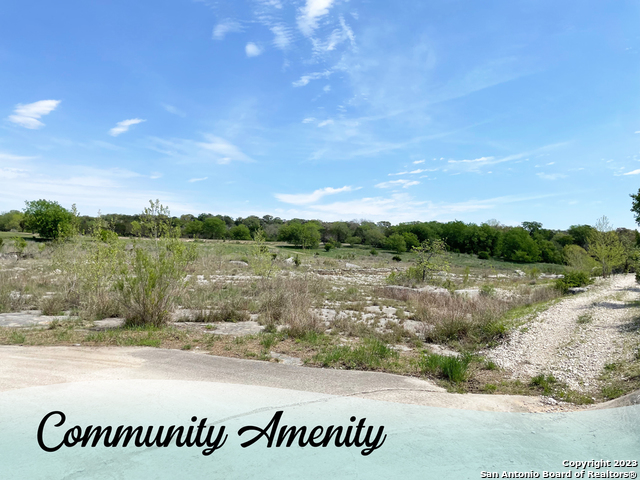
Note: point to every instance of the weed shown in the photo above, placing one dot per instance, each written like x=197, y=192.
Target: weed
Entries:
x=17, y=337
x=546, y=382
x=451, y=368
x=369, y=355
x=585, y=318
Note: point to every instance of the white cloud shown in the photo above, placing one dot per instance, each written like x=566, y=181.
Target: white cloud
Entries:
x=398, y=183
x=224, y=27
x=124, y=125
x=305, y=79
x=326, y=88
x=174, y=110
x=309, y=120
x=304, y=198
x=281, y=36
x=633, y=172
x=11, y=158
x=225, y=151
x=310, y=14
x=637, y=131
x=192, y=180
x=252, y=50
x=550, y=176
x=27, y=115
x=414, y=172
x=401, y=207
x=417, y=162
x=325, y=122
x=11, y=173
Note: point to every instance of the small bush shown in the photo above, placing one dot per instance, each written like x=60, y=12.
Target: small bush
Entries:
x=483, y=255
x=328, y=246
x=373, y=252
x=19, y=244
x=487, y=290
x=396, y=258
x=148, y=290
x=573, y=279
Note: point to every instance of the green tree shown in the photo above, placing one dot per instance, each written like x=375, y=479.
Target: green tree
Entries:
x=305, y=236
x=240, y=232
x=605, y=246
x=396, y=243
x=11, y=220
x=431, y=258
x=156, y=221
x=193, y=228
x=214, y=227
x=49, y=219
x=518, y=246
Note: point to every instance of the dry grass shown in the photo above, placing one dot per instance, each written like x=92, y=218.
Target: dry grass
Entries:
x=468, y=321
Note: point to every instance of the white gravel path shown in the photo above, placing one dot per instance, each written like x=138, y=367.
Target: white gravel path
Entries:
x=576, y=353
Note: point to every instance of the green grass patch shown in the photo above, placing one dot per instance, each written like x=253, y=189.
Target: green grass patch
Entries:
x=371, y=354
x=448, y=367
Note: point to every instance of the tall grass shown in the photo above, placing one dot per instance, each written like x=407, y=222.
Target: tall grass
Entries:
x=480, y=319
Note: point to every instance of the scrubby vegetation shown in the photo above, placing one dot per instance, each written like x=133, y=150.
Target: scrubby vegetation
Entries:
x=372, y=296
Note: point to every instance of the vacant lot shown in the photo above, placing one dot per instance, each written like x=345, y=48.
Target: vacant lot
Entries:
x=483, y=326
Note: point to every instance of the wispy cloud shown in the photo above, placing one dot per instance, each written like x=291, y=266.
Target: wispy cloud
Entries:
x=414, y=172
x=397, y=183
x=417, y=162
x=224, y=27
x=124, y=125
x=324, y=123
x=174, y=110
x=252, y=50
x=213, y=149
x=225, y=151
x=192, y=180
x=13, y=158
x=309, y=120
x=281, y=36
x=27, y=115
x=553, y=176
x=402, y=207
x=310, y=14
x=304, y=198
x=633, y=172
x=305, y=79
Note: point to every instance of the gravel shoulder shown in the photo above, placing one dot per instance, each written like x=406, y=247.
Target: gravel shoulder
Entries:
x=577, y=337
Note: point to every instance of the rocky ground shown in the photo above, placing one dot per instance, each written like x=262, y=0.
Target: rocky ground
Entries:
x=578, y=336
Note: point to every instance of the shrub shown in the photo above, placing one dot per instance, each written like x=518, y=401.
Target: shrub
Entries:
x=396, y=243
x=573, y=279
x=148, y=290
x=49, y=219
x=396, y=258
x=354, y=241
x=487, y=290
x=328, y=246
x=483, y=255
x=373, y=252
x=19, y=244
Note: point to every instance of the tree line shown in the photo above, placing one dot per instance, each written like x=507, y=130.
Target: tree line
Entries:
x=527, y=243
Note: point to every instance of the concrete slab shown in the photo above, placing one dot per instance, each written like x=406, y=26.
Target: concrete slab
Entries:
x=23, y=367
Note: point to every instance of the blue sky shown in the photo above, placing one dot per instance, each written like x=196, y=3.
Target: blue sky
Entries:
x=329, y=109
